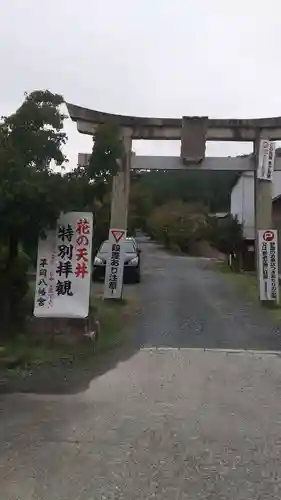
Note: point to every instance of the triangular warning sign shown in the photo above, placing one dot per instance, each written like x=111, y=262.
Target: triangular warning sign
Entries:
x=117, y=234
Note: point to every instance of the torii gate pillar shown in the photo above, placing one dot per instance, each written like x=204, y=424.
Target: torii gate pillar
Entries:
x=121, y=186
x=263, y=197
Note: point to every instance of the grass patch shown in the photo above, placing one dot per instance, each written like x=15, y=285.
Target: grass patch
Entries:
x=22, y=351
x=247, y=282
x=115, y=318
x=19, y=355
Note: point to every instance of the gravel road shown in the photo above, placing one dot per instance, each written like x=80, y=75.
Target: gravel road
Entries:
x=185, y=303
x=170, y=421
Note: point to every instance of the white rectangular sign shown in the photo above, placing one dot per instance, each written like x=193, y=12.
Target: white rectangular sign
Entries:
x=113, y=283
x=266, y=160
x=268, y=265
x=64, y=268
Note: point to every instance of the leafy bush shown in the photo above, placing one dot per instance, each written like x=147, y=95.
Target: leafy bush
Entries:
x=179, y=225
x=13, y=286
x=226, y=234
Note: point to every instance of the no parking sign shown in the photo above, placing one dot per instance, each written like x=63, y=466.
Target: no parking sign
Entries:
x=268, y=265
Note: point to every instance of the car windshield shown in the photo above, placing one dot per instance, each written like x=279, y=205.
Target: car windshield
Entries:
x=129, y=247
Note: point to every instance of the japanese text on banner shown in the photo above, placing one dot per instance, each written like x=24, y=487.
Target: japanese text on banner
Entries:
x=268, y=265
x=113, y=283
x=82, y=248
x=68, y=256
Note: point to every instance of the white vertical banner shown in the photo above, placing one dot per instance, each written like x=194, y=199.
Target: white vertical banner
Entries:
x=113, y=283
x=45, y=275
x=268, y=265
x=65, y=254
x=266, y=160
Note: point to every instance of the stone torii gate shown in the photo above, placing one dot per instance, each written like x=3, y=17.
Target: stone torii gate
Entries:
x=193, y=132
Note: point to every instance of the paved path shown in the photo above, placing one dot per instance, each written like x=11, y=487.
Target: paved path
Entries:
x=165, y=423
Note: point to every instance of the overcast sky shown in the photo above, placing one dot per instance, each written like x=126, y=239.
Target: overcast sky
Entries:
x=148, y=58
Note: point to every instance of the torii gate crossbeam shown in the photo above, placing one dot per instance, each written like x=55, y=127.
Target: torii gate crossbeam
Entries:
x=193, y=133
x=171, y=128
x=174, y=163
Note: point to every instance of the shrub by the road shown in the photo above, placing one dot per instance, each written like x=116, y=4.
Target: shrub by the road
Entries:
x=179, y=225
x=226, y=234
x=182, y=226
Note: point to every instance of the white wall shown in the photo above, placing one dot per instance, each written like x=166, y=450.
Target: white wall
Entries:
x=276, y=186
x=242, y=200
x=242, y=203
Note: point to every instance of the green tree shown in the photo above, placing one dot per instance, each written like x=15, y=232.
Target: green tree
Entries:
x=89, y=188
x=105, y=158
x=30, y=196
x=179, y=225
x=140, y=206
x=210, y=188
x=226, y=234
x=104, y=163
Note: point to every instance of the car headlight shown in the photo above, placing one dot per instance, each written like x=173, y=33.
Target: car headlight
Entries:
x=133, y=262
x=98, y=261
